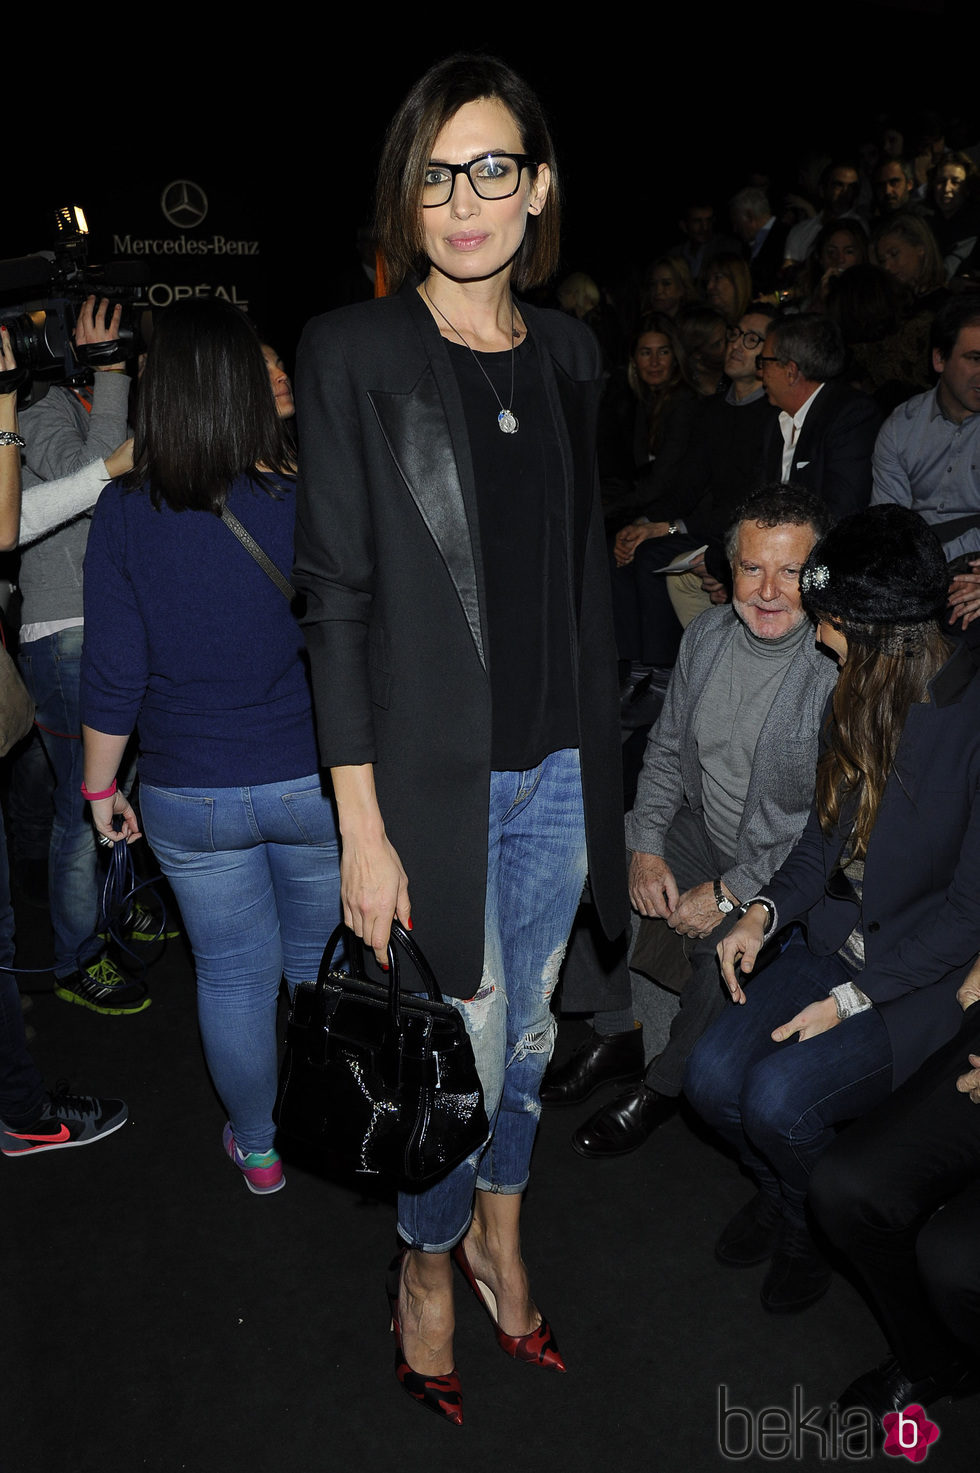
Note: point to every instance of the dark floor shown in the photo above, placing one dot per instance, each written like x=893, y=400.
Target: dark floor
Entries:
x=158, y=1317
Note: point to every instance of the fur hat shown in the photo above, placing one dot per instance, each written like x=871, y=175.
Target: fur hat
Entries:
x=883, y=566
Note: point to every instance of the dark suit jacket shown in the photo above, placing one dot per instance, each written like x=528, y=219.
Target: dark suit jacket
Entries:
x=833, y=454
x=767, y=265
x=921, y=877
x=388, y=555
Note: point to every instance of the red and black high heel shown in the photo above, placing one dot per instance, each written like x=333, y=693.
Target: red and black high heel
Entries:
x=539, y=1347
x=441, y=1394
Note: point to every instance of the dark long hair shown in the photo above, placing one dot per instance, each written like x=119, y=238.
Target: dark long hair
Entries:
x=435, y=98
x=872, y=698
x=881, y=578
x=205, y=412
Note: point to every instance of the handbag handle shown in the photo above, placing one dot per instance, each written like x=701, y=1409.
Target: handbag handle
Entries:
x=411, y=948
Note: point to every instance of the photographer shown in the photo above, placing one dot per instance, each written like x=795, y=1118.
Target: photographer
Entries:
x=68, y=430
x=31, y=1118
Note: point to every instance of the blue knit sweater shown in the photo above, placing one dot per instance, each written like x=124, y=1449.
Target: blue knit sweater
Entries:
x=188, y=639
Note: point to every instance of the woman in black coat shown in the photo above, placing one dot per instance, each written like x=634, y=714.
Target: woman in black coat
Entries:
x=459, y=635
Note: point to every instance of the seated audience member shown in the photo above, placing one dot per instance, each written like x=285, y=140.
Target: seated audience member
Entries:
x=894, y=182
x=926, y=455
x=726, y=786
x=579, y=296
x=762, y=235
x=727, y=286
x=704, y=333
x=723, y=467
x=665, y=416
x=898, y=1193
x=667, y=286
x=838, y=193
x=701, y=243
x=837, y=248
x=956, y=197
x=886, y=335
x=883, y=883
x=825, y=433
x=906, y=248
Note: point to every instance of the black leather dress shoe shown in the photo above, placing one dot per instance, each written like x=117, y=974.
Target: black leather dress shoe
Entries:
x=798, y=1275
x=888, y=1389
x=752, y=1234
x=624, y=1124
x=602, y=1059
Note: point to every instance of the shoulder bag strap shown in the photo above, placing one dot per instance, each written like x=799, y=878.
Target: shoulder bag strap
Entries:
x=254, y=550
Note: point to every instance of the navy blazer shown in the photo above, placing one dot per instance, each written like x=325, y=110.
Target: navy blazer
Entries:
x=832, y=457
x=388, y=555
x=921, y=877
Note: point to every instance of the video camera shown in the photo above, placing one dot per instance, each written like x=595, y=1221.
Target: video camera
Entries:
x=41, y=296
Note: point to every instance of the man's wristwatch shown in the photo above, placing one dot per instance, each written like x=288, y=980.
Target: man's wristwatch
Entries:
x=722, y=901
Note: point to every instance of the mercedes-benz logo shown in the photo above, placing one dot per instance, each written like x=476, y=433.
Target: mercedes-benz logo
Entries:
x=184, y=203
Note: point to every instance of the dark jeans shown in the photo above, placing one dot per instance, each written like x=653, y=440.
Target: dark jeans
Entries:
x=51, y=668
x=648, y=631
x=899, y=1194
x=777, y=1104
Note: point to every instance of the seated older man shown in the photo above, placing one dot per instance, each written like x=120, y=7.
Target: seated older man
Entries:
x=725, y=790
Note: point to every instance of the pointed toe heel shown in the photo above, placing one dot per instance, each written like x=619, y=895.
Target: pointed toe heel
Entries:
x=441, y=1394
x=538, y=1348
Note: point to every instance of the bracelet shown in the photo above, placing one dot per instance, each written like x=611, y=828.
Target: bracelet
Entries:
x=770, y=910
x=95, y=797
x=7, y=437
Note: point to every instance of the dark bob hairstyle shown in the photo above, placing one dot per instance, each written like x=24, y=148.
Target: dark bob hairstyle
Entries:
x=435, y=98
x=205, y=413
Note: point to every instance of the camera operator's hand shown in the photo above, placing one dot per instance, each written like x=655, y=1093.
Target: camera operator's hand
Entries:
x=95, y=325
x=11, y=378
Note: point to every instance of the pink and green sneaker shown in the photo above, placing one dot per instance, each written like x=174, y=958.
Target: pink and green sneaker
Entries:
x=262, y=1170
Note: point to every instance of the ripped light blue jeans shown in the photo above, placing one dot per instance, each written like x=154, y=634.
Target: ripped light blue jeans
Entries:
x=536, y=868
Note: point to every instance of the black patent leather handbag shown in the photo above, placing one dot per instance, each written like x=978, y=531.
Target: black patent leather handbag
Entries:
x=382, y=1079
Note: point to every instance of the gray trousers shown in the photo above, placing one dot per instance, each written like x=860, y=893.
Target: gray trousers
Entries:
x=597, y=977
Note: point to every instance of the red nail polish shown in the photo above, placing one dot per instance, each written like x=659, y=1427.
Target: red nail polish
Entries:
x=410, y=923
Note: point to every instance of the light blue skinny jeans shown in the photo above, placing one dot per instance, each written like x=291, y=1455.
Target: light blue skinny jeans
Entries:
x=256, y=873
x=536, y=865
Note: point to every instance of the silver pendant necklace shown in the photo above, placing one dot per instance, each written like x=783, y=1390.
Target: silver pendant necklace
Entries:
x=507, y=421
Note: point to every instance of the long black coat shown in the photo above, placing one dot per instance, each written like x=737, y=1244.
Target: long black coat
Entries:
x=388, y=555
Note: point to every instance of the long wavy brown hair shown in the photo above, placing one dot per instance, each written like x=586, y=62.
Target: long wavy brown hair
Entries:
x=871, y=701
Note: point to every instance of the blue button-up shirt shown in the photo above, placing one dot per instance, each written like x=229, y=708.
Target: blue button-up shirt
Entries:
x=925, y=461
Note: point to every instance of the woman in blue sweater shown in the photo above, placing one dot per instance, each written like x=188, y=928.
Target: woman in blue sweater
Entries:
x=189, y=639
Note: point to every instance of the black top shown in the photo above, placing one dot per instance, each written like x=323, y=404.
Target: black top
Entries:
x=520, y=495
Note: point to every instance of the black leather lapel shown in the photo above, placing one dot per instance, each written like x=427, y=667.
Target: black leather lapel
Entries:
x=417, y=434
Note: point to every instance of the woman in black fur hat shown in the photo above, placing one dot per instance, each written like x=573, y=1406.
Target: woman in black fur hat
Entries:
x=875, y=907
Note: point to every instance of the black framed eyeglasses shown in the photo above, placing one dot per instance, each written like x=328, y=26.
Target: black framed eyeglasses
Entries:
x=761, y=359
x=491, y=176
x=749, y=338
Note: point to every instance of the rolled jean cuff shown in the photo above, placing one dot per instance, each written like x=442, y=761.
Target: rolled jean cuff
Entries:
x=490, y=1186
x=446, y=1247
